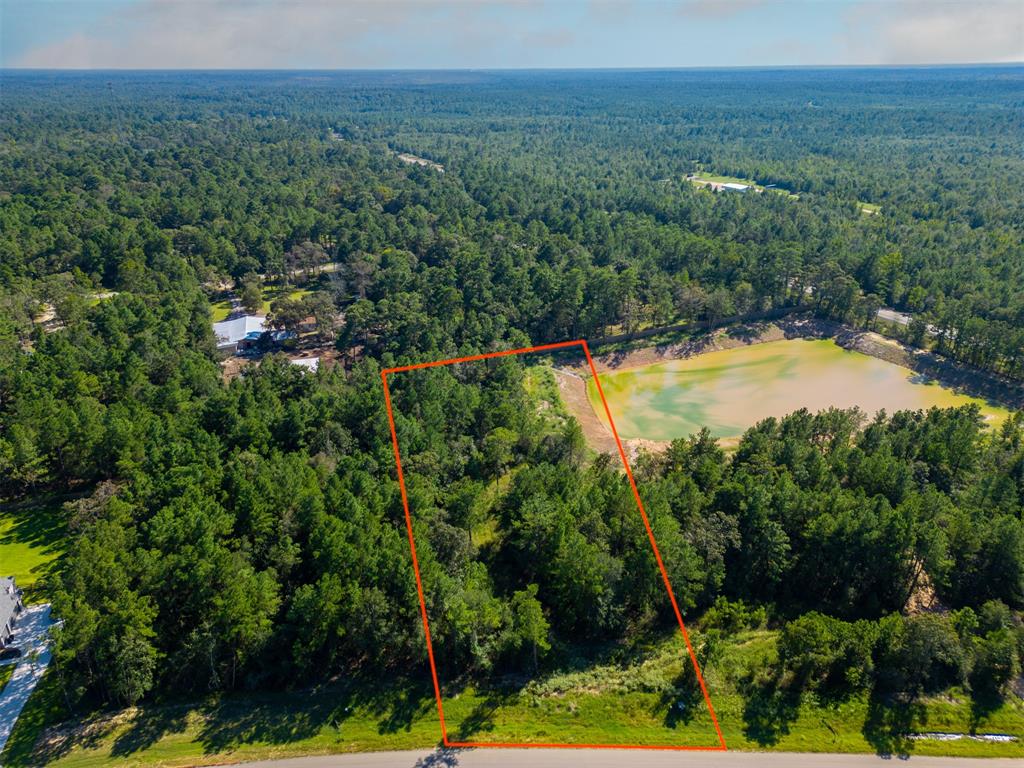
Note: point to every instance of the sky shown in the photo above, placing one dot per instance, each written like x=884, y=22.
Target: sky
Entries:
x=457, y=34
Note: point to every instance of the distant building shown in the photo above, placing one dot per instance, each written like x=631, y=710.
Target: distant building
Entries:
x=732, y=186
x=230, y=332
x=309, y=363
x=10, y=607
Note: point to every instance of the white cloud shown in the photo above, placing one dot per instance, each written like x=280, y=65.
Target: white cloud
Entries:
x=935, y=31
x=251, y=34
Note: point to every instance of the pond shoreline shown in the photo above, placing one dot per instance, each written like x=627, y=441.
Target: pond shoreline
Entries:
x=961, y=379
x=958, y=377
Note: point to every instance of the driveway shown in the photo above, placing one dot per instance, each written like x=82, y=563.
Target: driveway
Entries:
x=31, y=635
x=617, y=758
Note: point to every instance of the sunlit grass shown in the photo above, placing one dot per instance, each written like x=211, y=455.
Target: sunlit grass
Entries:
x=635, y=700
x=31, y=538
x=220, y=310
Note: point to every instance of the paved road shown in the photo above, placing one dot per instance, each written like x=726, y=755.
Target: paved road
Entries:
x=613, y=758
x=31, y=633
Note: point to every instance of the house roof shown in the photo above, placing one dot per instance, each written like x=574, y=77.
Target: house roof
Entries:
x=309, y=363
x=9, y=596
x=231, y=332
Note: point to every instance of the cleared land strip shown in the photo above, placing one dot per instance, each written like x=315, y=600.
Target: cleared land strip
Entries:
x=614, y=758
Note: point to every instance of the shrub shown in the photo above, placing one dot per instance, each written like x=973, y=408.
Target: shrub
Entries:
x=732, y=617
x=919, y=654
x=995, y=662
x=828, y=654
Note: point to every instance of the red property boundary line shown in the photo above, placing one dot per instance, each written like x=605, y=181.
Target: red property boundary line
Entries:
x=643, y=514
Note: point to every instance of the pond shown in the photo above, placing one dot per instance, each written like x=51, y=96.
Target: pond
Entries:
x=731, y=390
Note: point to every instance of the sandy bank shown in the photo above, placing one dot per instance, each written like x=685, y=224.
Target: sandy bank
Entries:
x=573, y=390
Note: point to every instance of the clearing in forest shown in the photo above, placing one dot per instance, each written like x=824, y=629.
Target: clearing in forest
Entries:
x=582, y=700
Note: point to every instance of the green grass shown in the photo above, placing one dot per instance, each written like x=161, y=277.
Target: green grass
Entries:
x=542, y=388
x=868, y=208
x=631, y=701
x=5, y=675
x=725, y=179
x=273, y=292
x=220, y=310
x=31, y=539
x=93, y=300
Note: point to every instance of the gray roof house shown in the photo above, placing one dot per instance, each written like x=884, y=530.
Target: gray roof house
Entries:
x=10, y=607
x=230, y=332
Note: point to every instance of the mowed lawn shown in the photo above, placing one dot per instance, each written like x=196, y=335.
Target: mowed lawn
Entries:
x=719, y=179
x=604, y=704
x=221, y=310
x=31, y=539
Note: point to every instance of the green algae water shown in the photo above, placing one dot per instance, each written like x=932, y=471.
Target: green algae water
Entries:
x=731, y=390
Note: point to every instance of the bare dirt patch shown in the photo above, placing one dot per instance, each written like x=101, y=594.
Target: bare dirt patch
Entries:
x=410, y=159
x=728, y=338
x=923, y=598
x=573, y=391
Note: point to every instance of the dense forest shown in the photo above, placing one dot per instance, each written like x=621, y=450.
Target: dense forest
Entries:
x=213, y=526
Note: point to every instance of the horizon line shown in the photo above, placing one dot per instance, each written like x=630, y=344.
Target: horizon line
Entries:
x=638, y=68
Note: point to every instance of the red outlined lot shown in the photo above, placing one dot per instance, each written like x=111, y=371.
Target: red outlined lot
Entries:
x=643, y=514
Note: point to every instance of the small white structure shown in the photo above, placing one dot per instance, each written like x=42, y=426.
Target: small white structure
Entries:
x=230, y=332
x=732, y=186
x=309, y=363
x=10, y=607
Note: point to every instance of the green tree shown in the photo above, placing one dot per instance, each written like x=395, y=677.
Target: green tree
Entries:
x=497, y=449
x=251, y=295
x=529, y=627
x=996, y=662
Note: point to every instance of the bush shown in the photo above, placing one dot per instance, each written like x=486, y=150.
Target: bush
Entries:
x=827, y=654
x=919, y=654
x=732, y=617
x=995, y=662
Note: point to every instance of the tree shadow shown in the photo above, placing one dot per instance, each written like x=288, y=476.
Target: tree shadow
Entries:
x=39, y=525
x=481, y=719
x=768, y=711
x=399, y=709
x=232, y=723
x=149, y=726
x=683, y=701
x=443, y=757
x=890, y=722
x=983, y=704
x=223, y=724
x=746, y=333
